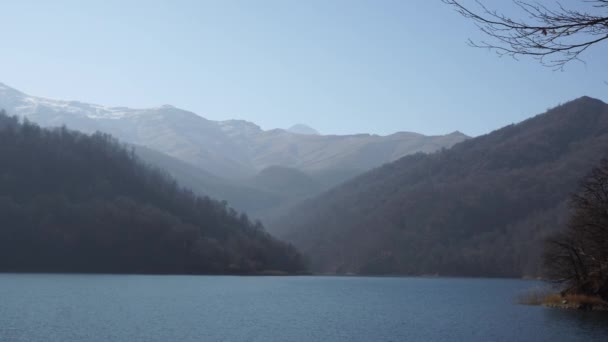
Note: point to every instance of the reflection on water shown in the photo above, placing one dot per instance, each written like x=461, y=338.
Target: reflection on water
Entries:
x=587, y=323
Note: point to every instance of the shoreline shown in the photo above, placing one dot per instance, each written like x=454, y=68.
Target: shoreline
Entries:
x=279, y=274
x=565, y=301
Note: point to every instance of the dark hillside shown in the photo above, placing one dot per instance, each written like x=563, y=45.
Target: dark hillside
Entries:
x=481, y=208
x=70, y=202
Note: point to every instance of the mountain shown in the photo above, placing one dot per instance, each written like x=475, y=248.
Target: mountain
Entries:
x=232, y=149
x=247, y=197
x=481, y=208
x=320, y=153
x=71, y=202
x=178, y=133
x=302, y=129
x=277, y=179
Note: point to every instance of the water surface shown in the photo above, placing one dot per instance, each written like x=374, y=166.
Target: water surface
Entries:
x=63, y=308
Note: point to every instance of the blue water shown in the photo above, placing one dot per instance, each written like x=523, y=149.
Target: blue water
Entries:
x=64, y=308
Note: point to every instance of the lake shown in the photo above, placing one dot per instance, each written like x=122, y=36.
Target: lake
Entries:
x=62, y=308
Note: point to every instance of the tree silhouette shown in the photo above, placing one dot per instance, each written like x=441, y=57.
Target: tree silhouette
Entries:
x=578, y=257
x=554, y=36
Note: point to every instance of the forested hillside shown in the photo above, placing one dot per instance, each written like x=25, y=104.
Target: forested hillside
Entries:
x=481, y=208
x=70, y=202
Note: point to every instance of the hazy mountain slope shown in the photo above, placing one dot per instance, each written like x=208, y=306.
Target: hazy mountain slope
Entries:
x=480, y=208
x=264, y=196
x=315, y=153
x=279, y=179
x=231, y=149
x=76, y=203
x=253, y=200
x=302, y=129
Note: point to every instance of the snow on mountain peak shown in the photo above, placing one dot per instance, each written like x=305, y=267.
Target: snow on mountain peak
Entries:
x=22, y=104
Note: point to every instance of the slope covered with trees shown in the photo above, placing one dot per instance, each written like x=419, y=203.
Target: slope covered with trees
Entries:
x=70, y=202
x=483, y=207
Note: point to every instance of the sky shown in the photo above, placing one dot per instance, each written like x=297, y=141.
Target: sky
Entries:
x=342, y=67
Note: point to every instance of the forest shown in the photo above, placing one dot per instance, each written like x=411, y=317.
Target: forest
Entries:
x=71, y=202
x=485, y=207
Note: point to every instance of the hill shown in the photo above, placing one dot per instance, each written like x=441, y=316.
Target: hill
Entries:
x=302, y=129
x=231, y=149
x=481, y=208
x=279, y=179
x=220, y=158
x=70, y=202
x=247, y=197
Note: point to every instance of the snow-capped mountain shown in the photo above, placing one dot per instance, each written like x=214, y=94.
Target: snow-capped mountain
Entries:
x=232, y=148
x=31, y=105
x=176, y=132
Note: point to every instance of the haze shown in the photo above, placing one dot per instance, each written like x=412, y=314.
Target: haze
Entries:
x=340, y=67
x=282, y=170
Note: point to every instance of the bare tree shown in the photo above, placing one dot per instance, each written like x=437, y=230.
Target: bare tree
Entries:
x=555, y=36
x=578, y=257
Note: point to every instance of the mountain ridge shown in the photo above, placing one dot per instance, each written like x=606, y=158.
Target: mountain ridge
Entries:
x=303, y=129
x=481, y=208
x=235, y=149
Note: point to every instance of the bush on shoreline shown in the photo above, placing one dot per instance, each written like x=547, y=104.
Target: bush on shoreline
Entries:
x=546, y=297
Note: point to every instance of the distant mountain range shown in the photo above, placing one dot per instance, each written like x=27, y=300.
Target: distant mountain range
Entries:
x=232, y=151
x=399, y=204
x=481, y=208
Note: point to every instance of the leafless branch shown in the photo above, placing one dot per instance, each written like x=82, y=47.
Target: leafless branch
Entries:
x=554, y=36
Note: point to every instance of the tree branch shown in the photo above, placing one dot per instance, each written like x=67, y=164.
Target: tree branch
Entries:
x=553, y=36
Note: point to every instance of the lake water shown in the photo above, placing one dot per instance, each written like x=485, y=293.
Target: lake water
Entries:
x=62, y=308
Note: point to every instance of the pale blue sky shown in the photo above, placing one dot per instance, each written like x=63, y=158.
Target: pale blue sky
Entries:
x=338, y=66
